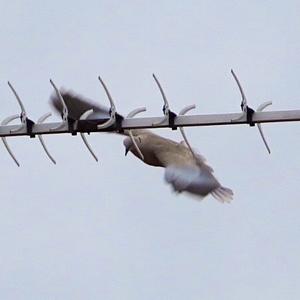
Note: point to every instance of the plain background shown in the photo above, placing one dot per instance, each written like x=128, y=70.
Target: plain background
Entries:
x=114, y=229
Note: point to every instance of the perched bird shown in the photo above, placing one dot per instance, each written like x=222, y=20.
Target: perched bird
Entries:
x=183, y=170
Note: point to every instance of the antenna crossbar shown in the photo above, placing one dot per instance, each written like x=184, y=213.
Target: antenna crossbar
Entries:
x=116, y=123
x=155, y=122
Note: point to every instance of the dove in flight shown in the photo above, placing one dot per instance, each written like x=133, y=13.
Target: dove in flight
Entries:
x=184, y=171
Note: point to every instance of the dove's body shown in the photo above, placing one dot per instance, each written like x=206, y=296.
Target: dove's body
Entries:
x=161, y=152
x=151, y=145
x=184, y=171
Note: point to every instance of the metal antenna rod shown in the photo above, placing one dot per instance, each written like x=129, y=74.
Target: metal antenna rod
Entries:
x=261, y=108
x=84, y=116
x=113, y=110
x=17, y=97
x=166, y=107
x=166, y=103
x=23, y=112
x=183, y=112
x=249, y=112
x=6, y=121
x=18, y=128
x=131, y=115
x=244, y=99
x=41, y=120
x=279, y=116
x=65, y=108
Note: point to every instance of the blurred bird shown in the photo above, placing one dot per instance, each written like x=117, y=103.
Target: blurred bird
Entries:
x=183, y=170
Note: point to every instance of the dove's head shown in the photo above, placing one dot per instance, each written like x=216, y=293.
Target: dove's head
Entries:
x=128, y=144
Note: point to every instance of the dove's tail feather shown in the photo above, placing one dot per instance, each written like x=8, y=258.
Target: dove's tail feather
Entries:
x=223, y=194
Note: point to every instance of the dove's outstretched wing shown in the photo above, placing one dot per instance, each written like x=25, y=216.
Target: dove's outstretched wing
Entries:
x=77, y=105
x=190, y=174
x=196, y=181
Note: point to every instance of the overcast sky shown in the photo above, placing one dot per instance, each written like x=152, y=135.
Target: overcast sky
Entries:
x=114, y=229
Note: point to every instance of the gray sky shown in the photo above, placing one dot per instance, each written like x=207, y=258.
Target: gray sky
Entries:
x=82, y=230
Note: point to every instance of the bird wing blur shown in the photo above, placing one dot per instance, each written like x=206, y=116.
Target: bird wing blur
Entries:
x=185, y=172
x=77, y=105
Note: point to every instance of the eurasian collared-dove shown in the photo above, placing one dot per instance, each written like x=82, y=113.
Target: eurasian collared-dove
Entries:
x=186, y=172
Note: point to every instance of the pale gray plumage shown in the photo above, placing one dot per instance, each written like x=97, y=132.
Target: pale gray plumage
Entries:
x=183, y=170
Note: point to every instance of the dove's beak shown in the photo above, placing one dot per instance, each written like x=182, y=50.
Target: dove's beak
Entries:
x=126, y=151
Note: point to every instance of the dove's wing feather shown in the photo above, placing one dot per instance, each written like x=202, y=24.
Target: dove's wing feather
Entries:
x=191, y=179
x=200, y=159
x=196, y=181
x=173, y=153
x=184, y=174
x=78, y=104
